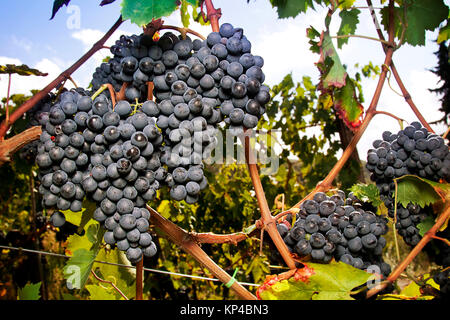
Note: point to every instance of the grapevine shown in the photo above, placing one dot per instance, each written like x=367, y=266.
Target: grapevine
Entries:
x=140, y=135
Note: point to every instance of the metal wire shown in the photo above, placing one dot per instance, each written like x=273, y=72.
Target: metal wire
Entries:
x=123, y=265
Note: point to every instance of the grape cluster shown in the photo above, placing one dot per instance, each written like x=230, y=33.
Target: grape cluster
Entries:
x=88, y=150
x=197, y=85
x=414, y=151
x=217, y=79
x=337, y=227
x=120, y=155
x=442, y=278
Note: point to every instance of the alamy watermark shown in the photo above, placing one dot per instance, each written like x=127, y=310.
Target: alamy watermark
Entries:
x=73, y=22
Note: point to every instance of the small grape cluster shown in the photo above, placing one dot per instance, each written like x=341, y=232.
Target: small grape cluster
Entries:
x=34, y=116
x=337, y=227
x=414, y=151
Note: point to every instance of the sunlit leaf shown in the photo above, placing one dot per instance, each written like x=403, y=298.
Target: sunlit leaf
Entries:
x=141, y=12
x=349, y=22
x=30, y=292
x=315, y=281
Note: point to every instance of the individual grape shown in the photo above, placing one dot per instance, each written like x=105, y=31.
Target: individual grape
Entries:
x=58, y=219
x=355, y=244
x=150, y=251
x=134, y=255
x=317, y=240
x=125, y=206
x=178, y=192
x=303, y=247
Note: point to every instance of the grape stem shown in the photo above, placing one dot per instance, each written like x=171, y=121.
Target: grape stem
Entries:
x=139, y=279
x=110, y=283
x=390, y=115
x=428, y=236
x=121, y=94
x=344, y=36
x=446, y=241
x=183, y=31
x=189, y=245
x=18, y=113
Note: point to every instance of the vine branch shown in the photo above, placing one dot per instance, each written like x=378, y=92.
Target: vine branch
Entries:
x=213, y=14
x=10, y=146
x=183, y=239
x=209, y=237
x=269, y=223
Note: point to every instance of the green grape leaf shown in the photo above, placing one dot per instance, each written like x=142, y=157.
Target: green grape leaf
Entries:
x=421, y=15
x=97, y=292
x=291, y=8
x=78, y=267
x=425, y=225
x=420, y=191
x=367, y=193
x=164, y=208
x=259, y=267
x=444, y=33
x=22, y=70
x=57, y=4
x=315, y=281
x=30, y=292
x=141, y=12
x=347, y=106
x=349, y=22
x=91, y=240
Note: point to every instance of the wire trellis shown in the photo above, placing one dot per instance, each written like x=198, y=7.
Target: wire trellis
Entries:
x=124, y=265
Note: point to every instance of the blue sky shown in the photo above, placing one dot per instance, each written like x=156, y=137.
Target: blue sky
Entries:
x=28, y=36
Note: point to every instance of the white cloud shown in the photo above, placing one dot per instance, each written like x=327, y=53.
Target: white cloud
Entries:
x=88, y=36
x=22, y=84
